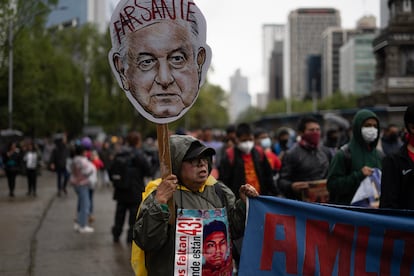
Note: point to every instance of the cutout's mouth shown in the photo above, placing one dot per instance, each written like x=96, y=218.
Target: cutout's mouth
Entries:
x=165, y=95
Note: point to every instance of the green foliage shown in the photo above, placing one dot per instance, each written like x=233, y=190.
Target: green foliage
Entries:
x=336, y=101
x=250, y=115
x=208, y=110
x=339, y=101
x=51, y=70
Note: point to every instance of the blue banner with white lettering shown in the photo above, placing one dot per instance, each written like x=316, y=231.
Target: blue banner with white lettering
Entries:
x=288, y=237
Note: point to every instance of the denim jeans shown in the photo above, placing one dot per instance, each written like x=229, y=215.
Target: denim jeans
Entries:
x=62, y=178
x=84, y=204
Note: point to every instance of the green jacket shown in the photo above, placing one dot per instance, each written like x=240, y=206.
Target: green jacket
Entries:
x=153, y=233
x=344, y=177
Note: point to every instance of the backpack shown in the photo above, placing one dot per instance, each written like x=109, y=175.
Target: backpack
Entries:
x=118, y=170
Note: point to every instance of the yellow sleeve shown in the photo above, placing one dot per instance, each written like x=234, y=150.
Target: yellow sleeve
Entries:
x=137, y=254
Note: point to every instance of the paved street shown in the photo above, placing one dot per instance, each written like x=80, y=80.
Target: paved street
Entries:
x=37, y=237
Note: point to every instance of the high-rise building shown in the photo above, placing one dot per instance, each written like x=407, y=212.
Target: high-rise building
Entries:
x=261, y=100
x=333, y=39
x=240, y=99
x=384, y=14
x=275, y=75
x=357, y=65
x=273, y=37
x=367, y=24
x=79, y=12
x=313, y=76
x=394, y=53
x=305, y=30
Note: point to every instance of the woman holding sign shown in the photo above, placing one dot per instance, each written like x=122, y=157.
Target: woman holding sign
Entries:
x=160, y=59
x=199, y=199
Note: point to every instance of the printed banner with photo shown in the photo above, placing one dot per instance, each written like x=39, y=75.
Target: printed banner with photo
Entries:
x=288, y=237
x=202, y=243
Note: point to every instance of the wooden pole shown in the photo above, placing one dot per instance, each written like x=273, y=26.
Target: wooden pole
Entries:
x=165, y=161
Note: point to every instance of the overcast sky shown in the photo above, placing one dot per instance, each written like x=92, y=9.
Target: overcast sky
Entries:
x=234, y=32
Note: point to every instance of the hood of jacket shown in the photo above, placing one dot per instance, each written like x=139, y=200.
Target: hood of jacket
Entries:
x=179, y=146
x=361, y=153
x=359, y=118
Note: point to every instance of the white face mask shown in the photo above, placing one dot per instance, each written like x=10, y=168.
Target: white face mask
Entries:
x=246, y=146
x=266, y=143
x=369, y=134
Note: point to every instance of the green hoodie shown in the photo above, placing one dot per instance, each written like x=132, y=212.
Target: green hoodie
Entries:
x=342, y=184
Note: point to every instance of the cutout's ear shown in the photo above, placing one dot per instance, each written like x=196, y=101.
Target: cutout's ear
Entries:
x=119, y=66
x=201, y=58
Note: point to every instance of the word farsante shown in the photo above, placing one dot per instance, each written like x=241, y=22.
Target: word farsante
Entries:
x=133, y=17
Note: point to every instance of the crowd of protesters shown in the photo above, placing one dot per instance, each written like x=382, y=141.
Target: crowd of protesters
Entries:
x=279, y=147
x=282, y=162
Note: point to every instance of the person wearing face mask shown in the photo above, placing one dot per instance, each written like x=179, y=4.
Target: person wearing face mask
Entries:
x=390, y=140
x=356, y=160
x=331, y=141
x=262, y=139
x=283, y=142
x=246, y=163
x=397, y=189
x=305, y=162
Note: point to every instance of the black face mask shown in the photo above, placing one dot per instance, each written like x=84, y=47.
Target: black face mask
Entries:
x=283, y=144
x=332, y=141
x=393, y=137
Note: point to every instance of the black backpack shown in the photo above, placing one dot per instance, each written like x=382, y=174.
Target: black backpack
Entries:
x=119, y=169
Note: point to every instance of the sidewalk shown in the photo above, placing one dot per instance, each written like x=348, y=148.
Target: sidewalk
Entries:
x=37, y=236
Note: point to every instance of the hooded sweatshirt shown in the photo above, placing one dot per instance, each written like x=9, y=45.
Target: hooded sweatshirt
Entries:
x=152, y=232
x=343, y=181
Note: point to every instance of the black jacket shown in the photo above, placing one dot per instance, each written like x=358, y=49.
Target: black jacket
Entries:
x=301, y=164
x=232, y=173
x=397, y=182
x=139, y=169
x=59, y=156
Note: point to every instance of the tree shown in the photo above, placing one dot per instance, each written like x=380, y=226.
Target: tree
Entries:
x=339, y=101
x=336, y=101
x=53, y=71
x=250, y=115
x=16, y=15
x=208, y=110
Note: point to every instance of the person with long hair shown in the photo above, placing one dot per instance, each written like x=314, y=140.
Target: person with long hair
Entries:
x=12, y=165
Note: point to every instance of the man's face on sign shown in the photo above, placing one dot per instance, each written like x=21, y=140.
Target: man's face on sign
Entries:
x=215, y=249
x=163, y=72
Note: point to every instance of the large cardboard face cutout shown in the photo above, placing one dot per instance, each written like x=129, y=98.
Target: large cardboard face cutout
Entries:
x=159, y=55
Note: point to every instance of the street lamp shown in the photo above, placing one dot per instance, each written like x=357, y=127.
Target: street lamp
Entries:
x=13, y=7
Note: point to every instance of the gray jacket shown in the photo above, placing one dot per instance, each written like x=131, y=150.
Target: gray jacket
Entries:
x=156, y=236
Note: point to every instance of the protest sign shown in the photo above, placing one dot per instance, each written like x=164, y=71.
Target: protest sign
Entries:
x=202, y=243
x=159, y=55
x=288, y=237
x=160, y=59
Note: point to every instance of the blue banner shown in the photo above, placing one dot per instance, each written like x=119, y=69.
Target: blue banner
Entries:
x=288, y=237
